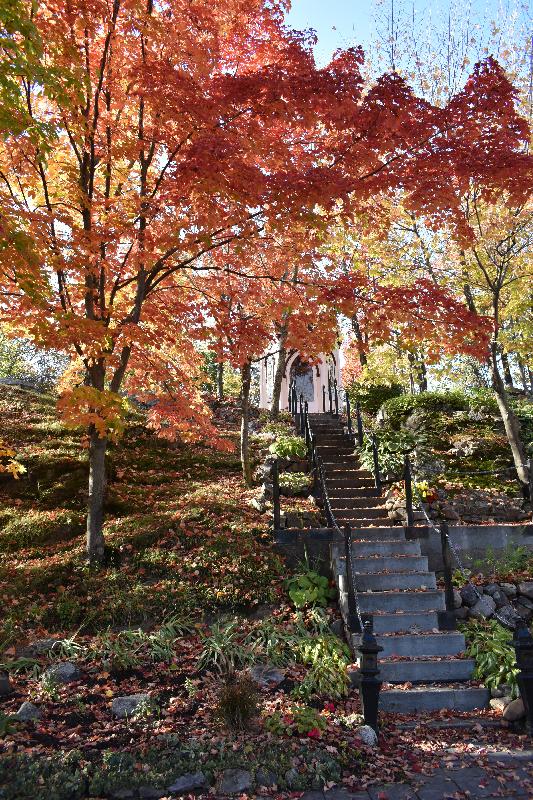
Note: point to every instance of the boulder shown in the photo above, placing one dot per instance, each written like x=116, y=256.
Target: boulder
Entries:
x=526, y=588
x=5, y=685
x=292, y=777
x=123, y=707
x=64, y=672
x=449, y=513
x=524, y=606
x=151, y=793
x=509, y=589
x=462, y=613
x=469, y=595
x=484, y=608
x=515, y=710
x=508, y=616
x=38, y=648
x=266, y=777
x=267, y=676
x=122, y=794
x=457, y=599
x=188, y=783
x=500, y=598
x=499, y=703
x=367, y=735
x=28, y=712
x=235, y=781
x=491, y=588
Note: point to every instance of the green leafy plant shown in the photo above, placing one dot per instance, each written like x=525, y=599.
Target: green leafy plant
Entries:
x=371, y=396
x=327, y=658
x=238, y=702
x=426, y=401
x=122, y=652
x=222, y=649
x=289, y=447
x=6, y=726
x=303, y=720
x=392, y=446
x=309, y=588
x=490, y=645
x=513, y=559
x=294, y=483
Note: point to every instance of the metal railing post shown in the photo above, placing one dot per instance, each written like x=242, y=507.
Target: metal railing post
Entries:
x=348, y=413
x=301, y=421
x=275, y=495
x=370, y=685
x=306, y=423
x=523, y=645
x=408, y=492
x=360, y=434
x=324, y=399
x=336, y=397
x=447, y=619
x=353, y=621
x=377, y=478
x=289, y=399
x=330, y=396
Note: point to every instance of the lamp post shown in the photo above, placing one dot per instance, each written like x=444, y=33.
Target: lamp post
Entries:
x=370, y=685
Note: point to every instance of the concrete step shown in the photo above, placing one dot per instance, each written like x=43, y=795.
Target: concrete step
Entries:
x=342, y=504
x=391, y=548
x=408, y=602
x=365, y=521
x=418, y=644
x=380, y=534
x=337, y=492
x=385, y=581
x=365, y=512
x=350, y=483
x=373, y=564
x=431, y=698
x=396, y=623
x=427, y=670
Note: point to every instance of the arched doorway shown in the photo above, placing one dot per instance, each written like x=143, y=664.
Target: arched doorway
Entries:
x=302, y=375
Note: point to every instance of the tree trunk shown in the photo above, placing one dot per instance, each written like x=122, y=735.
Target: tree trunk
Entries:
x=97, y=488
x=280, y=371
x=363, y=360
x=246, y=375
x=220, y=380
x=510, y=421
x=507, y=376
x=524, y=378
x=422, y=376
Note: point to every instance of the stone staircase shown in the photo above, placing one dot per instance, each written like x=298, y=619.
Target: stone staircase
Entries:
x=421, y=666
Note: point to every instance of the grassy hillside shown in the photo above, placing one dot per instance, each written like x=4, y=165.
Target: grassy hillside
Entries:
x=180, y=535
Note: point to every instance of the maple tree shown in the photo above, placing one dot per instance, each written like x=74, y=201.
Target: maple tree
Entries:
x=488, y=269
x=180, y=131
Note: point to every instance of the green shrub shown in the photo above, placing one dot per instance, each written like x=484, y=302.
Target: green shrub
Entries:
x=426, y=401
x=294, y=483
x=490, y=645
x=371, y=396
x=482, y=401
x=289, y=447
x=392, y=446
x=309, y=588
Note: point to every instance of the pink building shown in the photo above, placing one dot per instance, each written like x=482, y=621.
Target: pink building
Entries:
x=312, y=381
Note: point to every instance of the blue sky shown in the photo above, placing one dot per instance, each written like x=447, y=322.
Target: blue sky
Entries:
x=340, y=23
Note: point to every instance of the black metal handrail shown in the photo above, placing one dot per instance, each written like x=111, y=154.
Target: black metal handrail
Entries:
x=522, y=638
